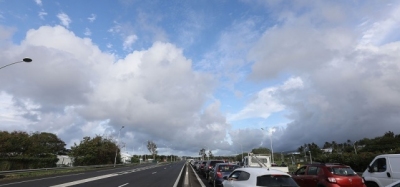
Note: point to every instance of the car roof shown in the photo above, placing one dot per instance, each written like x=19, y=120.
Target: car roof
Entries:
x=329, y=164
x=225, y=164
x=262, y=171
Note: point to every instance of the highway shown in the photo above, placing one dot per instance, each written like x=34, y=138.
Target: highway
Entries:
x=140, y=175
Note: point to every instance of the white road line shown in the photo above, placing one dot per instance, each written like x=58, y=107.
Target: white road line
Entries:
x=85, y=180
x=177, y=180
x=201, y=182
x=123, y=185
x=40, y=179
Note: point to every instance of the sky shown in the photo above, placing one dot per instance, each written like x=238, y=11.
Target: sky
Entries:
x=224, y=75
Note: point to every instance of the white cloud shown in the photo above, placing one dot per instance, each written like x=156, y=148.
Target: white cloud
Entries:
x=64, y=18
x=38, y=2
x=42, y=14
x=87, y=32
x=265, y=101
x=129, y=41
x=92, y=17
x=76, y=86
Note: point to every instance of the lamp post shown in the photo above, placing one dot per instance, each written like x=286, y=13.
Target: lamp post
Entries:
x=354, y=145
x=310, y=157
x=27, y=60
x=116, y=150
x=272, y=150
x=241, y=146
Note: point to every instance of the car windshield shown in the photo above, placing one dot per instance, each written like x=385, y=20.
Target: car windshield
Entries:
x=227, y=168
x=276, y=181
x=345, y=171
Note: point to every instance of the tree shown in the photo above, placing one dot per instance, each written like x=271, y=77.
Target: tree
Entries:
x=152, y=147
x=44, y=144
x=202, y=153
x=8, y=142
x=210, y=154
x=94, y=151
x=261, y=150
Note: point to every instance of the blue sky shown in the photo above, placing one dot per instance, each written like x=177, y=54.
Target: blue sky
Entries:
x=194, y=74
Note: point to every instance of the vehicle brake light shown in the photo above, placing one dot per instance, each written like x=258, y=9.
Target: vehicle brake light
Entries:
x=332, y=179
x=219, y=174
x=209, y=167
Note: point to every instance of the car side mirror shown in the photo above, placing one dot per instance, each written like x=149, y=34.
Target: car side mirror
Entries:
x=225, y=177
x=370, y=169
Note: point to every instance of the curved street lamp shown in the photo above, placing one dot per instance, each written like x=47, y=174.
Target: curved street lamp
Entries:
x=116, y=150
x=27, y=60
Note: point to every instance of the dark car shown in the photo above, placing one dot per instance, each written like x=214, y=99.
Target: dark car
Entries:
x=209, y=165
x=201, y=167
x=327, y=175
x=219, y=171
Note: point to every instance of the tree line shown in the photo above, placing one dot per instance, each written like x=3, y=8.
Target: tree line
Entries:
x=22, y=150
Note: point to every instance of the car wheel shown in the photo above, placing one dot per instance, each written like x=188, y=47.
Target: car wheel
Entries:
x=371, y=184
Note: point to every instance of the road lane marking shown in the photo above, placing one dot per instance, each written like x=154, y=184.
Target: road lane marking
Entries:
x=123, y=185
x=40, y=179
x=201, y=182
x=177, y=180
x=84, y=180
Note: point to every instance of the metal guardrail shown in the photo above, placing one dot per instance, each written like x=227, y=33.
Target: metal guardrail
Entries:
x=60, y=168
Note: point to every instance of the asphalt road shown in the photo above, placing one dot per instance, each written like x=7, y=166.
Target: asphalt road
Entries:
x=165, y=175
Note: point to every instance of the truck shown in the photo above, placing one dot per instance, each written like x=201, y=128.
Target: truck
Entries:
x=383, y=170
x=261, y=160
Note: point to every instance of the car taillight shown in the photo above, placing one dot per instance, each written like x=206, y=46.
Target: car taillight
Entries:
x=219, y=174
x=332, y=179
x=209, y=167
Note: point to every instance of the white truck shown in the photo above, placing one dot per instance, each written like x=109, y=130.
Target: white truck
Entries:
x=382, y=171
x=261, y=160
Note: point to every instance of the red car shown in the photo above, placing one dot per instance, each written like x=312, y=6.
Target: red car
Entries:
x=327, y=175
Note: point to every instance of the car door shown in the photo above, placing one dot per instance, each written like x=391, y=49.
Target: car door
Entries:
x=299, y=176
x=311, y=177
x=231, y=178
x=381, y=172
x=239, y=179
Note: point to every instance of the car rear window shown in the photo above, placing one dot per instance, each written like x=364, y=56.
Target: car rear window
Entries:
x=227, y=168
x=212, y=163
x=345, y=171
x=275, y=181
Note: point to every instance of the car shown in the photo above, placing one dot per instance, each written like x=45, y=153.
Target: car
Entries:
x=201, y=167
x=193, y=164
x=219, y=171
x=383, y=170
x=249, y=177
x=395, y=184
x=327, y=175
x=209, y=165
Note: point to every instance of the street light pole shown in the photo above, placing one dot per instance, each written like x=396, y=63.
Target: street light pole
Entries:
x=116, y=150
x=354, y=145
x=272, y=149
x=310, y=157
x=27, y=60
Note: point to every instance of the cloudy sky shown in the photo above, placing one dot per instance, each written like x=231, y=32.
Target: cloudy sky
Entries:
x=201, y=74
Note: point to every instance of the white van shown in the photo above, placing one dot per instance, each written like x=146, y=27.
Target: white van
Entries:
x=260, y=160
x=382, y=171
